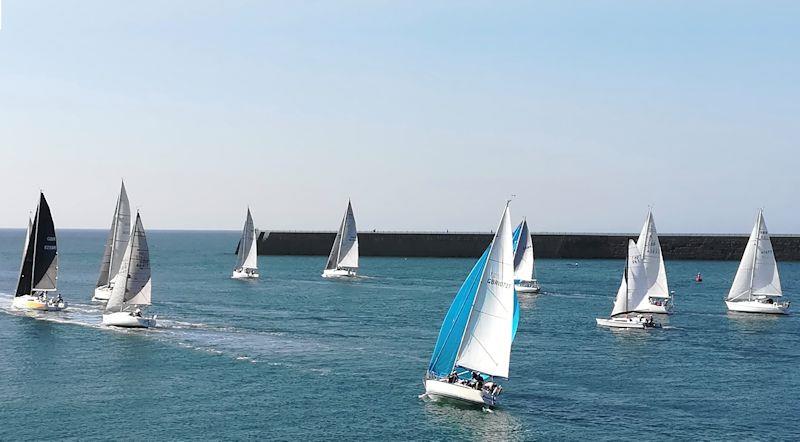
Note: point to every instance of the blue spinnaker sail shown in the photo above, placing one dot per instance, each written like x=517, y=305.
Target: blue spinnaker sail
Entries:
x=515, y=236
x=446, y=350
x=516, y=318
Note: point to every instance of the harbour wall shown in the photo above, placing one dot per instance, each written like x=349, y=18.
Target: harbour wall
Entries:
x=546, y=245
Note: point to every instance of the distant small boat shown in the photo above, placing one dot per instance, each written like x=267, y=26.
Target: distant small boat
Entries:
x=524, y=267
x=474, y=343
x=698, y=277
x=132, y=285
x=343, y=259
x=247, y=262
x=659, y=299
x=757, y=286
x=38, y=273
x=117, y=241
x=631, y=294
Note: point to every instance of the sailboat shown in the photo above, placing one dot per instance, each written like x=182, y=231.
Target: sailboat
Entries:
x=131, y=285
x=38, y=273
x=247, y=257
x=659, y=299
x=116, y=243
x=631, y=295
x=524, y=270
x=757, y=285
x=343, y=260
x=474, y=344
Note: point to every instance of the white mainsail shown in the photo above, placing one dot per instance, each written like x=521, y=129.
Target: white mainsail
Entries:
x=132, y=283
x=248, y=253
x=633, y=289
x=650, y=247
x=486, y=344
x=117, y=241
x=758, y=270
x=344, y=253
x=523, y=255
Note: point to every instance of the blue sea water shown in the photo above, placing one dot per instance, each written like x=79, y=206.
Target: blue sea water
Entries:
x=295, y=356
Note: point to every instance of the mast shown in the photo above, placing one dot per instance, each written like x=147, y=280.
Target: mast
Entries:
x=755, y=254
x=627, y=286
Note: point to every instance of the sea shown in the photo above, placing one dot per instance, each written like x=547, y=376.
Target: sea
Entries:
x=293, y=356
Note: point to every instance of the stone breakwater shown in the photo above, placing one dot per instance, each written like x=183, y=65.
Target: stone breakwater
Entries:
x=546, y=245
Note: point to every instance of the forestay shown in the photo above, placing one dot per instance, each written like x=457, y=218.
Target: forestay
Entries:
x=132, y=283
x=117, y=241
x=453, y=329
x=486, y=345
x=653, y=260
x=758, y=270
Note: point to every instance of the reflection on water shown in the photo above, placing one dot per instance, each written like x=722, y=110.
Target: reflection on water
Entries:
x=753, y=322
x=473, y=422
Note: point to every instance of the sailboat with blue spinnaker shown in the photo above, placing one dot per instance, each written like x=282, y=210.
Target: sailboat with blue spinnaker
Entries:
x=473, y=350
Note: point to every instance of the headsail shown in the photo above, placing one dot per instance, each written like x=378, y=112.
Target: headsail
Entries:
x=758, y=270
x=247, y=250
x=486, y=345
x=523, y=253
x=132, y=283
x=633, y=288
x=462, y=310
x=117, y=240
x=26, y=266
x=344, y=253
x=653, y=260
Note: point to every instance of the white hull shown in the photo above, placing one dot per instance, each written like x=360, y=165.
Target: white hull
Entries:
x=442, y=389
x=28, y=302
x=776, y=308
x=338, y=273
x=665, y=308
x=639, y=322
x=530, y=286
x=102, y=293
x=127, y=319
x=239, y=274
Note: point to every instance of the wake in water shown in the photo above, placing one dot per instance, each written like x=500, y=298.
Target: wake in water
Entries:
x=240, y=344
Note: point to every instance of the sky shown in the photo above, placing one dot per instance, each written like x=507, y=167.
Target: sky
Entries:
x=429, y=115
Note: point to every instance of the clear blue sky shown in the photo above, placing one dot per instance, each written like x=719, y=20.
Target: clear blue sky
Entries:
x=427, y=114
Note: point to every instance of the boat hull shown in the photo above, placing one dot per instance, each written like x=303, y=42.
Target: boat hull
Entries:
x=777, y=308
x=128, y=320
x=634, y=322
x=442, y=389
x=239, y=274
x=102, y=293
x=665, y=308
x=338, y=273
x=529, y=286
x=28, y=302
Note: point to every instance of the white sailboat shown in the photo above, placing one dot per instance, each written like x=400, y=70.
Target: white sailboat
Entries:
x=474, y=344
x=131, y=285
x=38, y=273
x=343, y=260
x=631, y=294
x=658, y=298
x=247, y=256
x=116, y=243
x=757, y=285
x=524, y=268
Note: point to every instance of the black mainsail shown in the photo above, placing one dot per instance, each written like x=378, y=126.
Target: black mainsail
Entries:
x=39, y=270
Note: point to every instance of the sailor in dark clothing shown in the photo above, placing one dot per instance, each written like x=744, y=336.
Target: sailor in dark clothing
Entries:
x=478, y=380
